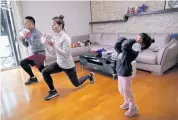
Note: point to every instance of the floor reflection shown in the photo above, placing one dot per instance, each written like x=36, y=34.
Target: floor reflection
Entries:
x=9, y=101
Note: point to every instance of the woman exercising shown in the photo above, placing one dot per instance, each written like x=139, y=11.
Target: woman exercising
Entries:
x=59, y=46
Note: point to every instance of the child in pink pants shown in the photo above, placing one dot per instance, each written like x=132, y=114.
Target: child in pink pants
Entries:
x=124, y=85
x=128, y=50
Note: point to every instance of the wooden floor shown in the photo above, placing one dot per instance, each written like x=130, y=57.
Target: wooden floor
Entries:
x=156, y=97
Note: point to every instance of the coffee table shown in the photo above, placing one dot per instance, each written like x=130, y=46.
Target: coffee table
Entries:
x=104, y=65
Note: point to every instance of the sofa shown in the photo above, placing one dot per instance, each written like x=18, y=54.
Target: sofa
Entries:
x=158, y=58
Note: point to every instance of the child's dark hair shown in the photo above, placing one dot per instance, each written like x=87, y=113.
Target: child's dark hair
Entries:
x=59, y=20
x=31, y=19
x=147, y=40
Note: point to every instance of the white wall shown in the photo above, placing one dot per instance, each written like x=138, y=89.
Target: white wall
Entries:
x=76, y=15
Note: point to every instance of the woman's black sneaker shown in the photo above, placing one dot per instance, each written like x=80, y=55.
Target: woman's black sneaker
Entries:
x=91, y=78
x=31, y=80
x=51, y=94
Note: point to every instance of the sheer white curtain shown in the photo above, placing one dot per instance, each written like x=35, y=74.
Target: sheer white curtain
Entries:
x=19, y=23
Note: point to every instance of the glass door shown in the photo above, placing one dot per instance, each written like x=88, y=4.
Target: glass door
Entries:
x=9, y=57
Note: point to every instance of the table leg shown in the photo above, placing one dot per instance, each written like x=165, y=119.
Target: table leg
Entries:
x=82, y=67
x=113, y=76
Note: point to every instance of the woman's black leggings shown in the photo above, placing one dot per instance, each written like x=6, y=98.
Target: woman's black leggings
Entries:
x=26, y=63
x=71, y=73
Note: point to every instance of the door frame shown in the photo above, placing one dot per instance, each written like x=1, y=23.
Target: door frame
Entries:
x=12, y=35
